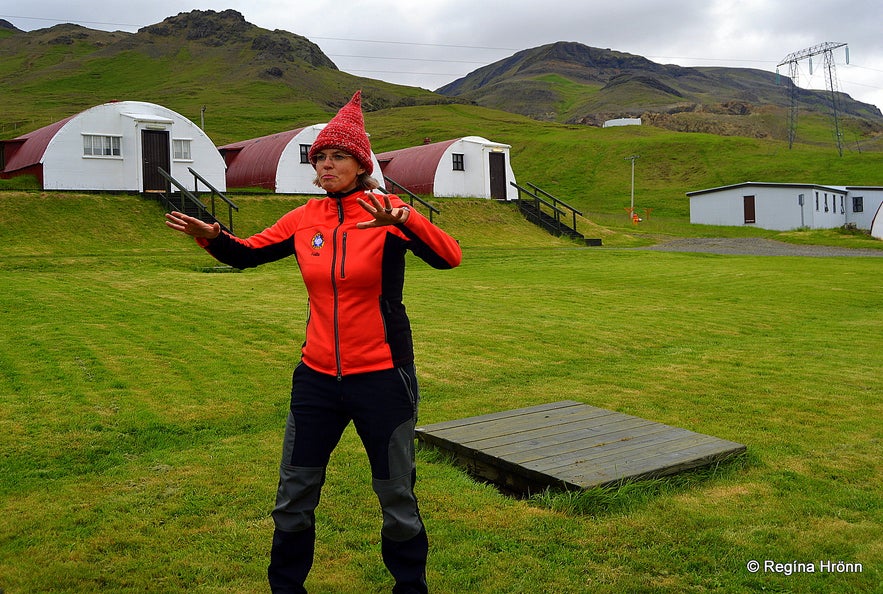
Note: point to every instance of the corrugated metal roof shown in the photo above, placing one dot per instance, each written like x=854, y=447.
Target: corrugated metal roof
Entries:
x=27, y=150
x=414, y=167
x=253, y=163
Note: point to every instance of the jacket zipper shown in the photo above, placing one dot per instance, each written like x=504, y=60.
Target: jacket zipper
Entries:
x=334, y=290
x=343, y=258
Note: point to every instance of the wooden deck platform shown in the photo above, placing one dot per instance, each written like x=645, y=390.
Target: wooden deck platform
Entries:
x=572, y=445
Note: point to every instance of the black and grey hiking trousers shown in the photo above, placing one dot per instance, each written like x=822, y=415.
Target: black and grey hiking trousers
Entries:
x=383, y=407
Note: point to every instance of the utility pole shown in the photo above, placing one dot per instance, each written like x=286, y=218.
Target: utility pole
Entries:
x=827, y=51
x=633, y=158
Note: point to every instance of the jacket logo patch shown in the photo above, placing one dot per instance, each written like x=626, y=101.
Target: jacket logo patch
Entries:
x=318, y=241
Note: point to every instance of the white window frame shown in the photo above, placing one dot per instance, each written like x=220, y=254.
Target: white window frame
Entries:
x=182, y=149
x=102, y=146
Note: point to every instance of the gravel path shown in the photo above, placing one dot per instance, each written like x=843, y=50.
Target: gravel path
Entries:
x=755, y=246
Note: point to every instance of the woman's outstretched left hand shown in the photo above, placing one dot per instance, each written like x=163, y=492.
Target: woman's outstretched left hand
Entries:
x=383, y=213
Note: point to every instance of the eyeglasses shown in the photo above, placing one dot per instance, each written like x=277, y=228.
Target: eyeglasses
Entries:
x=336, y=156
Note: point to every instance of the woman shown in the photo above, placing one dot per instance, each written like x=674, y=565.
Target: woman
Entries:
x=357, y=362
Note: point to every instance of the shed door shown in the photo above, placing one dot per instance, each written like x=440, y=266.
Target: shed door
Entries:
x=155, y=150
x=748, y=205
x=497, y=162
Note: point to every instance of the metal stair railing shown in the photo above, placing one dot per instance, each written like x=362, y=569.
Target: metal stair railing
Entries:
x=413, y=197
x=532, y=208
x=187, y=199
x=556, y=202
x=230, y=205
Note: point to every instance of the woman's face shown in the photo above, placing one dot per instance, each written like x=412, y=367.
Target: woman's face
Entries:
x=336, y=170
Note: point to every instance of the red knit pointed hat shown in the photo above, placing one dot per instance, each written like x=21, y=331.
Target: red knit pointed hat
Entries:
x=346, y=131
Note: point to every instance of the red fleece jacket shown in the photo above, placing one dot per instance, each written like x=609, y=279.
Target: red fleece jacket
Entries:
x=354, y=278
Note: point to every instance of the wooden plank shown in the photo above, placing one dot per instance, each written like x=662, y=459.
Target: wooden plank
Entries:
x=661, y=465
x=494, y=427
x=620, y=459
x=536, y=435
x=553, y=455
x=567, y=443
x=563, y=438
x=506, y=414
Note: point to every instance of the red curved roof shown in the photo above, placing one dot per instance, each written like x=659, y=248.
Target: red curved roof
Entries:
x=27, y=150
x=253, y=163
x=414, y=167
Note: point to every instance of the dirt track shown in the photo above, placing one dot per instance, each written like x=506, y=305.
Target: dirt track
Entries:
x=753, y=246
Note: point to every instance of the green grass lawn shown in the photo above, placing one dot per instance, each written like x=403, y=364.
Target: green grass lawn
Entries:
x=142, y=405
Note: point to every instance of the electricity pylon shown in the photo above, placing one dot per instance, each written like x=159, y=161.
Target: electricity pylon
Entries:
x=831, y=84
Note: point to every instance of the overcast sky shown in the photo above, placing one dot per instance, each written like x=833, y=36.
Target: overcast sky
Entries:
x=429, y=43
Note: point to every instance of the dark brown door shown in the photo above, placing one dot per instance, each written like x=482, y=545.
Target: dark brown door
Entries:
x=748, y=202
x=497, y=162
x=155, y=148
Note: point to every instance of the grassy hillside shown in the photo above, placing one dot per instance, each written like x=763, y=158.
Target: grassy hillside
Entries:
x=143, y=403
x=587, y=166
x=254, y=82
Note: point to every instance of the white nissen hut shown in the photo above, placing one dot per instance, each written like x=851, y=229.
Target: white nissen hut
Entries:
x=465, y=167
x=877, y=224
x=781, y=206
x=277, y=162
x=116, y=146
x=865, y=208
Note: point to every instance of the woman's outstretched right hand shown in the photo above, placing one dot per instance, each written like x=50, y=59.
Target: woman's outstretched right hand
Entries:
x=192, y=226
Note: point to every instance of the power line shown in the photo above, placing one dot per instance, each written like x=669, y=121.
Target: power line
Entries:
x=4, y=16
x=406, y=59
x=507, y=49
x=413, y=43
x=438, y=45
x=350, y=70
x=826, y=50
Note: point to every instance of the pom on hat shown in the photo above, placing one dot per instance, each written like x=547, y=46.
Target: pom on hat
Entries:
x=346, y=131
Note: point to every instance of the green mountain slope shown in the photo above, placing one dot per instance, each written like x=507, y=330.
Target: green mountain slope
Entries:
x=586, y=166
x=573, y=83
x=252, y=81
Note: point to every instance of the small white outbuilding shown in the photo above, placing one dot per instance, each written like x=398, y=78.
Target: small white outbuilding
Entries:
x=622, y=122
x=465, y=167
x=116, y=146
x=785, y=206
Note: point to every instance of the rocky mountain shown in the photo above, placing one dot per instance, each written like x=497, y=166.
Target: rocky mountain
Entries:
x=195, y=58
x=204, y=57
x=574, y=83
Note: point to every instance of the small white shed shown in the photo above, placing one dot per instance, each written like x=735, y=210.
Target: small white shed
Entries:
x=116, y=146
x=467, y=167
x=777, y=206
x=277, y=162
x=622, y=122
